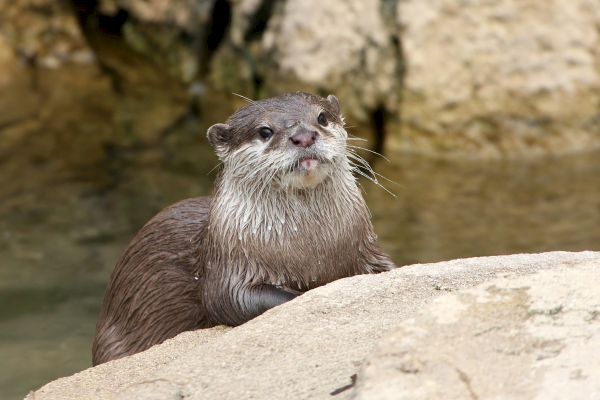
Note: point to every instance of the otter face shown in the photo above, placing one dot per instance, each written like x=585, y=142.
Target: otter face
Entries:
x=292, y=141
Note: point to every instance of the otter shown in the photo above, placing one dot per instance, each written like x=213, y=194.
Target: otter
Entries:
x=286, y=216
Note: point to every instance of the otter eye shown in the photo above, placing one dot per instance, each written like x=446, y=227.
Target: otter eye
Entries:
x=322, y=119
x=265, y=132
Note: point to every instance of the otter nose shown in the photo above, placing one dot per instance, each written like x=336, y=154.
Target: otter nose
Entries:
x=304, y=138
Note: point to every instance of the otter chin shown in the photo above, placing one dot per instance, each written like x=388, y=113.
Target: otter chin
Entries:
x=286, y=216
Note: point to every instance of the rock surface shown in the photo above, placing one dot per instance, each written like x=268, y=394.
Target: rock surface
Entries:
x=518, y=337
x=494, y=78
x=501, y=76
x=349, y=48
x=43, y=32
x=344, y=47
x=308, y=348
x=446, y=77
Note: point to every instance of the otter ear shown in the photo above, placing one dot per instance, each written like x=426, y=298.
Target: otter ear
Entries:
x=334, y=102
x=218, y=135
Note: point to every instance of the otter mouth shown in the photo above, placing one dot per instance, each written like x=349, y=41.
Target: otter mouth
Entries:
x=307, y=171
x=308, y=164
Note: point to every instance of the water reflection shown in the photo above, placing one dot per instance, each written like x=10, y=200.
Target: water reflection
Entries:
x=452, y=209
x=71, y=196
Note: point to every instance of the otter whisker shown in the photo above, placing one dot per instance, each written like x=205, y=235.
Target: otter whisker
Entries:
x=352, y=137
x=356, y=157
x=377, y=183
x=353, y=157
x=249, y=100
x=387, y=179
x=367, y=166
x=215, y=167
x=369, y=150
x=363, y=167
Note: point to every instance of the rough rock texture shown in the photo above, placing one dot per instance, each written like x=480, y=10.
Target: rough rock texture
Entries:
x=8, y=62
x=305, y=349
x=518, y=337
x=501, y=76
x=180, y=13
x=43, y=32
x=489, y=78
x=169, y=33
x=492, y=78
x=345, y=47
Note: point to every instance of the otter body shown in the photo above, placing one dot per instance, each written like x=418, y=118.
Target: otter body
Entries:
x=286, y=216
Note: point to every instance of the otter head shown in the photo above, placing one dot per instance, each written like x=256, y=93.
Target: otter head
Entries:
x=292, y=141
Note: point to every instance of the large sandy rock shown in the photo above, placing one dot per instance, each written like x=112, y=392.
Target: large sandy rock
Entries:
x=305, y=349
x=501, y=76
x=518, y=337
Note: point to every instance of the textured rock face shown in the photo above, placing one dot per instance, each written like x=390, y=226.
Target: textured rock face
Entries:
x=340, y=46
x=489, y=78
x=43, y=31
x=183, y=14
x=493, y=78
x=501, y=76
x=527, y=337
x=169, y=33
x=310, y=347
x=8, y=62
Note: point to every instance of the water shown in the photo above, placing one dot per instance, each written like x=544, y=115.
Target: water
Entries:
x=73, y=192
x=453, y=209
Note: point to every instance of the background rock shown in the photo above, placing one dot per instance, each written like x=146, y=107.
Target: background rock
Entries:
x=492, y=78
x=171, y=34
x=343, y=47
x=44, y=32
x=442, y=77
x=501, y=77
x=305, y=349
x=518, y=337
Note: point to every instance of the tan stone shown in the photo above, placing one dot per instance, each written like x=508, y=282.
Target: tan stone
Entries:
x=43, y=31
x=307, y=348
x=501, y=76
x=519, y=337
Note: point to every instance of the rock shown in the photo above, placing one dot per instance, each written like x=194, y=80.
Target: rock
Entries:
x=43, y=32
x=341, y=46
x=337, y=46
x=169, y=33
x=453, y=78
x=448, y=77
x=182, y=14
x=305, y=349
x=491, y=79
x=500, y=77
x=8, y=62
x=518, y=337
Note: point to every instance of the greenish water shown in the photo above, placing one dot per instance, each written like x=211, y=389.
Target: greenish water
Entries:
x=72, y=195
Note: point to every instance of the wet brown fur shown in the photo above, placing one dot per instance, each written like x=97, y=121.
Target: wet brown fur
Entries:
x=186, y=269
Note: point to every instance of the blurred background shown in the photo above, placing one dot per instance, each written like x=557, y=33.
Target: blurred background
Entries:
x=488, y=111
